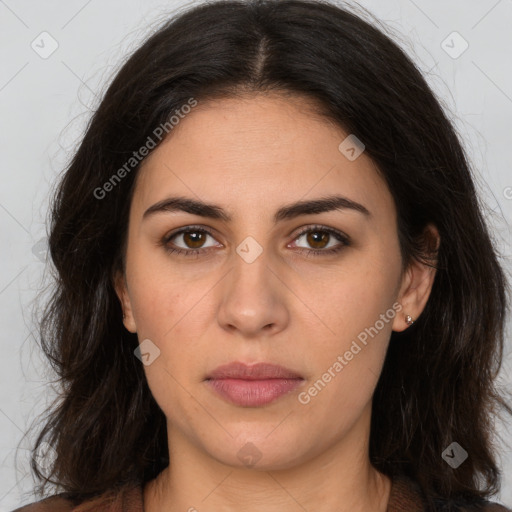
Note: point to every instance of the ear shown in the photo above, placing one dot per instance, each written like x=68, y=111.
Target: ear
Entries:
x=417, y=281
x=121, y=288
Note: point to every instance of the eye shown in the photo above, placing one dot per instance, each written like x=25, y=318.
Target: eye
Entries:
x=319, y=237
x=192, y=239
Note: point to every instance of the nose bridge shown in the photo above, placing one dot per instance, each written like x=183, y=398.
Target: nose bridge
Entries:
x=251, y=275
x=252, y=296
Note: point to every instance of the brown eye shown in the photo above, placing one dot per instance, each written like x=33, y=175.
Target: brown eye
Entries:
x=194, y=239
x=189, y=241
x=318, y=239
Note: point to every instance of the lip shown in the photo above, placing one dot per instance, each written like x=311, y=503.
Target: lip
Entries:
x=254, y=385
x=258, y=371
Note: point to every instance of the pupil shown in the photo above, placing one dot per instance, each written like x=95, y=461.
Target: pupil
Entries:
x=316, y=239
x=196, y=239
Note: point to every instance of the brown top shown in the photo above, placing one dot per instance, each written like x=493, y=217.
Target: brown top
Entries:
x=404, y=497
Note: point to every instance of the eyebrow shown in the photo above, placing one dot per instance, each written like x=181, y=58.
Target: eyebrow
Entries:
x=286, y=212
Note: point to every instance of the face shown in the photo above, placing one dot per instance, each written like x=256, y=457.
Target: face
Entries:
x=315, y=291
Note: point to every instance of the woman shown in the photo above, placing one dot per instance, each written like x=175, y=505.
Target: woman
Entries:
x=276, y=288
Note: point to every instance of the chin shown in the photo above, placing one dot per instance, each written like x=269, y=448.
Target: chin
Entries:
x=262, y=452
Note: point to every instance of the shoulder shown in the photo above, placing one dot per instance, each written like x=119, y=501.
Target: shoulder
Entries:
x=483, y=506
x=57, y=503
x=126, y=499
x=406, y=496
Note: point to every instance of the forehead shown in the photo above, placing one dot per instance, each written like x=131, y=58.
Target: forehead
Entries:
x=256, y=153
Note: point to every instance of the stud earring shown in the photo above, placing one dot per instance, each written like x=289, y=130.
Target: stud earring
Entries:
x=409, y=320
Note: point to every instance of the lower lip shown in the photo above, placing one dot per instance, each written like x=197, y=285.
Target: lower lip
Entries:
x=253, y=393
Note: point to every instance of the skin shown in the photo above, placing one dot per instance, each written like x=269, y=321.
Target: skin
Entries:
x=252, y=155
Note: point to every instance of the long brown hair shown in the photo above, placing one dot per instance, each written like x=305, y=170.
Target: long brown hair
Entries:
x=437, y=384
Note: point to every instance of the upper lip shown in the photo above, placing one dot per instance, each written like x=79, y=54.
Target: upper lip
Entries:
x=258, y=371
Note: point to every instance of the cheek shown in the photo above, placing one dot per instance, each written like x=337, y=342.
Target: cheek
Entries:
x=158, y=294
x=355, y=299
x=168, y=308
x=347, y=368
x=164, y=311
x=357, y=313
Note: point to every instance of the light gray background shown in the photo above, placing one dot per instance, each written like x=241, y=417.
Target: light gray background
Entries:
x=45, y=102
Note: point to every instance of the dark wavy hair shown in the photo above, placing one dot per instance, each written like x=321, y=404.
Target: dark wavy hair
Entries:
x=438, y=381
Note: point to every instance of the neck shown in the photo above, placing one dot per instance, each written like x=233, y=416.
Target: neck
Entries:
x=339, y=479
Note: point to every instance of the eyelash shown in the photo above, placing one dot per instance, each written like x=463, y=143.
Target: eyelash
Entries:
x=344, y=239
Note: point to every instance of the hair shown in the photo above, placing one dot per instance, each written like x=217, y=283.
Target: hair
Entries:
x=438, y=381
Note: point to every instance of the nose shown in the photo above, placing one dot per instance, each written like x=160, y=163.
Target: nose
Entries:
x=254, y=298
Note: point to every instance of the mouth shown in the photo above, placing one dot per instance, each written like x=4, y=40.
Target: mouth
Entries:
x=252, y=386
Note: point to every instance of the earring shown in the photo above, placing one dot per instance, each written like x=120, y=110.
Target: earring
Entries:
x=409, y=320
x=124, y=316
